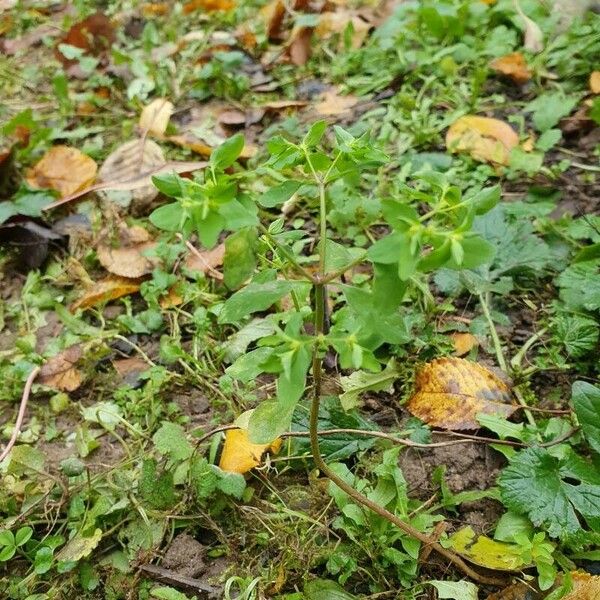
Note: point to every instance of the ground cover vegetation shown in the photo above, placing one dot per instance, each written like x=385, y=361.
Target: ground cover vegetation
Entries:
x=299, y=300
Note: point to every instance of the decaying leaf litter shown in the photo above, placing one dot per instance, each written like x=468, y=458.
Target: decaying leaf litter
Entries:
x=164, y=216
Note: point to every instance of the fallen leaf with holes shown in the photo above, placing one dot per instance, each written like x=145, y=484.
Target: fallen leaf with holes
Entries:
x=463, y=343
x=239, y=454
x=94, y=35
x=109, y=288
x=486, y=552
x=450, y=392
x=585, y=586
x=595, y=82
x=155, y=117
x=60, y=372
x=128, y=162
x=207, y=261
x=333, y=104
x=125, y=256
x=484, y=138
x=63, y=169
x=208, y=5
x=512, y=66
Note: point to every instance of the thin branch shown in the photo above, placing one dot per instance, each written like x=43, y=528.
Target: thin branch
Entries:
x=21, y=413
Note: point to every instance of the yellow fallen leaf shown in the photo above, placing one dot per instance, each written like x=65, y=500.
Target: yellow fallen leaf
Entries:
x=63, y=169
x=60, y=372
x=585, y=587
x=484, y=138
x=126, y=255
x=463, y=343
x=513, y=66
x=332, y=104
x=109, y=288
x=595, y=82
x=450, y=392
x=239, y=454
x=155, y=117
x=486, y=552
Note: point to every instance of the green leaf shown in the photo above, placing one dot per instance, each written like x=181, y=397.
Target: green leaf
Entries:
x=106, y=414
x=549, y=108
x=7, y=553
x=42, y=561
x=204, y=478
x=168, y=593
x=227, y=153
x=232, y=484
x=548, y=139
x=586, y=401
x=7, y=210
x=485, y=199
x=258, y=296
x=210, y=228
x=157, y=490
x=510, y=524
x=23, y=535
x=248, y=366
x=539, y=485
x=168, y=183
x=269, y=420
x=455, y=590
x=239, y=261
x=79, y=546
x=7, y=538
x=169, y=217
x=170, y=441
x=315, y=133
x=337, y=256
x=387, y=249
x=360, y=381
x=279, y=194
x=292, y=381
x=25, y=459
x=325, y=589
x=591, y=252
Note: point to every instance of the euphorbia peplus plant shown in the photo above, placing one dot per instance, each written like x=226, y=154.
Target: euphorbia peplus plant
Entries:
x=429, y=227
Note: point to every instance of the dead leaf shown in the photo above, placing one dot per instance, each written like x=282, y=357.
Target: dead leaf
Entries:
x=299, y=45
x=94, y=35
x=486, y=552
x=533, y=38
x=450, y=392
x=63, y=169
x=109, y=288
x=239, y=454
x=127, y=258
x=272, y=15
x=171, y=298
x=518, y=591
x=155, y=117
x=35, y=36
x=155, y=9
x=513, y=66
x=208, y=5
x=332, y=104
x=595, y=82
x=128, y=162
x=463, y=343
x=128, y=366
x=485, y=139
x=331, y=23
x=207, y=261
x=60, y=371
x=140, y=181
x=585, y=586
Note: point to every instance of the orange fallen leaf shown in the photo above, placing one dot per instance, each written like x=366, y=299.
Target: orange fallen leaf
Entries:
x=332, y=104
x=171, y=298
x=485, y=139
x=155, y=9
x=94, y=35
x=64, y=169
x=109, y=288
x=60, y=372
x=239, y=454
x=208, y=5
x=451, y=392
x=513, y=66
x=585, y=586
x=127, y=258
x=595, y=82
x=463, y=343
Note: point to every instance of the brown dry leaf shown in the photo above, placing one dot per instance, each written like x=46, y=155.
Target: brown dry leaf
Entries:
x=64, y=169
x=109, y=288
x=595, y=82
x=239, y=454
x=60, y=371
x=126, y=366
x=513, y=66
x=208, y=5
x=128, y=162
x=450, y=392
x=332, y=104
x=517, y=591
x=485, y=139
x=171, y=298
x=94, y=35
x=463, y=343
x=127, y=258
x=331, y=23
x=585, y=587
x=207, y=261
x=35, y=36
x=272, y=14
x=299, y=46
x=155, y=117
x=533, y=38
